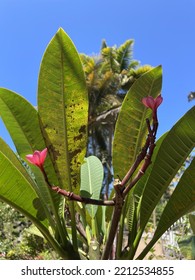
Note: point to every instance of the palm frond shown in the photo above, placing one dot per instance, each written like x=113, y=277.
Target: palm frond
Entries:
x=88, y=63
x=110, y=61
x=124, y=54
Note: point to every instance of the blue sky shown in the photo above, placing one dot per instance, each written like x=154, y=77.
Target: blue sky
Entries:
x=163, y=30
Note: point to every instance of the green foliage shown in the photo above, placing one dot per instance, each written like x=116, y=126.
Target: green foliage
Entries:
x=62, y=82
x=187, y=243
x=79, y=229
x=187, y=247
x=91, y=181
x=15, y=241
x=35, y=131
x=173, y=151
x=131, y=130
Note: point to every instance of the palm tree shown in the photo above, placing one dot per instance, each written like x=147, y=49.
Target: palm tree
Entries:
x=109, y=76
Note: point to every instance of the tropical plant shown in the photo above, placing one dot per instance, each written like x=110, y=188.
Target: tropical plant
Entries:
x=60, y=190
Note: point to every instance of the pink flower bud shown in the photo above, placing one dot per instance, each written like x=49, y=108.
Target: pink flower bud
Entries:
x=152, y=103
x=37, y=158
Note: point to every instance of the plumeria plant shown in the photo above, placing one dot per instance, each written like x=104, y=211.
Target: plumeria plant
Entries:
x=61, y=194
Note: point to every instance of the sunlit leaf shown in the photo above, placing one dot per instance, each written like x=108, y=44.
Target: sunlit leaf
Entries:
x=63, y=108
x=173, y=151
x=16, y=190
x=22, y=122
x=181, y=201
x=131, y=129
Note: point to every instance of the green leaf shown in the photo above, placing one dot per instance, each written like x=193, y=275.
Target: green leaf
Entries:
x=16, y=190
x=131, y=216
x=131, y=129
x=34, y=230
x=180, y=203
x=183, y=198
x=41, y=192
x=21, y=120
x=63, y=111
x=101, y=220
x=173, y=151
x=91, y=181
x=19, y=191
x=63, y=108
x=15, y=160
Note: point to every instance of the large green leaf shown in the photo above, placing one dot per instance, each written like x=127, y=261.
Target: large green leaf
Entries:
x=17, y=191
x=175, y=148
x=181, y=201
x=91, y=181
x=21, y=120
x=9, y=154
x=63, y=108
x=131, y=126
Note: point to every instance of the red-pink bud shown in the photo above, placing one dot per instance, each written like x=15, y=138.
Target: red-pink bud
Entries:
x=37, y=158
x=151, y=102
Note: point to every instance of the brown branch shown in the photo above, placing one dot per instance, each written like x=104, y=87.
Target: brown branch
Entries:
x=142, y=170
x=86, y=200
x=105, y=117
x=119, y=201
x=76, y=197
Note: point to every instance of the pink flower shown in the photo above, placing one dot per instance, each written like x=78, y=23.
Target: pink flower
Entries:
x=37, y=158
x=152, y=103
